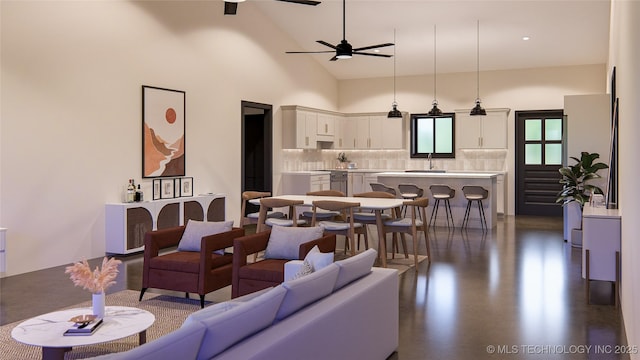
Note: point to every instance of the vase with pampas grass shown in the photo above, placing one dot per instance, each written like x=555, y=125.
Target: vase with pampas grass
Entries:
x=96, y=281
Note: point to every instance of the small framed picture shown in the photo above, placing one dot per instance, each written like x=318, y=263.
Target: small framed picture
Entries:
x=167, y=190
x=156, y=189
x=186, y=186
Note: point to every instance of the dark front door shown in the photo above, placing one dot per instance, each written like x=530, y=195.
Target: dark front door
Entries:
x=257, y=162
x=539, y=154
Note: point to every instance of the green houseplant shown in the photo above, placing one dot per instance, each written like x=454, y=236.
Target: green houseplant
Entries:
x=575, y=186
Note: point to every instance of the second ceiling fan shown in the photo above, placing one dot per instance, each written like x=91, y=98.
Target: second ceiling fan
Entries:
x=344, y=50
x=231, y=7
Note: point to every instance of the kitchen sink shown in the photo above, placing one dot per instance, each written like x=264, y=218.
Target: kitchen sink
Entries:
x=426, y=171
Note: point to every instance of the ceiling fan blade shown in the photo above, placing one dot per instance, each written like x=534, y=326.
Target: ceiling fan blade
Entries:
x=369, y=54
x=333, y=58
x=373, y=47
x=230, y=8
x=309, y=52
x=326, y=44
x=303, y=2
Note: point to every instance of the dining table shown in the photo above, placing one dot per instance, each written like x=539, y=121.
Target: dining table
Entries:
x=377, y=205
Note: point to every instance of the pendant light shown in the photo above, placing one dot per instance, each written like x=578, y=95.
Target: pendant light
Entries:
x=434, y=110
x=394, y=113
x=478, y=110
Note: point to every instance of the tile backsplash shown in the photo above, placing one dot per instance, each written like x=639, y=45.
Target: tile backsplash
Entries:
x=466, y=159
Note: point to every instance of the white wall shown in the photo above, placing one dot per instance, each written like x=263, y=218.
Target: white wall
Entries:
x=70, y=122
x=529, y=89
x=624, y=54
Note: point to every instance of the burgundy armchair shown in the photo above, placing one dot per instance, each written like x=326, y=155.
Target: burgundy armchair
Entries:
x=189, y=271
x=252, y=277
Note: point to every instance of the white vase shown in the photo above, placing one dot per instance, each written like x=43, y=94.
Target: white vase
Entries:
x=97, y=302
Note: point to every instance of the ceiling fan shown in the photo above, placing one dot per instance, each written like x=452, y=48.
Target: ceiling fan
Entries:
x=231, y=6
x=344, y=50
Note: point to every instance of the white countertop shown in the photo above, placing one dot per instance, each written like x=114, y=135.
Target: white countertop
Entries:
x=451, y=174
x=600, y=212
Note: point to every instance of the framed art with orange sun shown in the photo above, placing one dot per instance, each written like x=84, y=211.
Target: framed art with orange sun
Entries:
x=163, y=128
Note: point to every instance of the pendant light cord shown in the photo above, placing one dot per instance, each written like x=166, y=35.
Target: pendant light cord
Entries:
x=435, y=97
x=478, y=60
x=394, y=66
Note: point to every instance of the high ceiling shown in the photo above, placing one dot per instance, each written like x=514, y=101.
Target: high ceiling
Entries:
x=562, y=32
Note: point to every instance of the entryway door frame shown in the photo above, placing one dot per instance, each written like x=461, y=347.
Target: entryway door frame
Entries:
x=257, y=146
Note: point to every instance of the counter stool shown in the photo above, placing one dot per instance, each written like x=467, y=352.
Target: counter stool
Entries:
x=383, y=188
x=442, y=192
x=410, y=192
x=475, y=193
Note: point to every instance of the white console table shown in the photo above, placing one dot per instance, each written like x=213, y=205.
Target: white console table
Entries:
x=126, y=223
x=601, y=233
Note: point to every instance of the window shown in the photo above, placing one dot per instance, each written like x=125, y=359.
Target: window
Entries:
x=543, y=141
x=433, y=135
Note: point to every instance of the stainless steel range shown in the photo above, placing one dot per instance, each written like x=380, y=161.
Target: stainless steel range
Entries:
x=339, y=180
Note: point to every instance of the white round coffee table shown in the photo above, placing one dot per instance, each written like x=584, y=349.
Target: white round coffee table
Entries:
x=47, y=330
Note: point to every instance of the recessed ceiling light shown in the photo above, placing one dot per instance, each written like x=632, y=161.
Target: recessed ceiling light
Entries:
x=376, y=50
x=525, y=38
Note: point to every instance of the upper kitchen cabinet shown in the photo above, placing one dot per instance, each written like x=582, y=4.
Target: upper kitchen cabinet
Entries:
x=482, y=132
x=378, y=132
x=304, y=128
x=345, y=133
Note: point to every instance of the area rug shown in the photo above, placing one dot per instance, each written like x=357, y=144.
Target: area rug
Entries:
x=170, y=312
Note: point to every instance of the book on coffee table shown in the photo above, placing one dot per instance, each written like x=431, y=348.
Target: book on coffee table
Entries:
x=84, y=329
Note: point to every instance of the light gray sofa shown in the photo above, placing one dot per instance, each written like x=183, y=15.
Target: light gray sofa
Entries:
x=347, y=310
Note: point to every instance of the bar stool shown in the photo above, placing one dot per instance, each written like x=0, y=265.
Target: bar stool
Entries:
x=475, y=193
x=410, y=192
x=442, y=192
x=383, y=188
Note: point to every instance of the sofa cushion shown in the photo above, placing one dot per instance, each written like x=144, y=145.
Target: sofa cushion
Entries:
x=355, y=267
x=317, y=259
x=196, y=230
x=284, y=242
x=187, y=261
x=307, y=289
x=189, y=337
x=242, y=319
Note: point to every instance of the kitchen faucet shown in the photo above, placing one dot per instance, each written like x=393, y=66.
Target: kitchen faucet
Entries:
x=430, y=164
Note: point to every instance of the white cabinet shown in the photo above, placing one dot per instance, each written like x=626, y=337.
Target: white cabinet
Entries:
x=299, y=129
x=601, y=234
x=345, y=133
x=325, y=127
x=378, y=132
x=126, y=223
x=482, y=132
x=359, y=182
x=500, y=194
x=303, y=182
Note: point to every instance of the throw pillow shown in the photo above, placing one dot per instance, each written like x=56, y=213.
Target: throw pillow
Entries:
x=284, y=242
x=307, y=289
x=196, y=230
x=318, y=259
x=355, y=267
x=305, y=269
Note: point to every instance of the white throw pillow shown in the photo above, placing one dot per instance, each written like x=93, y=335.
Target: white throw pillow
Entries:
x=284, y=242
x=305, y=269
x=196, y=230
x=355, y=267
x=307, y=289
x=318, y=259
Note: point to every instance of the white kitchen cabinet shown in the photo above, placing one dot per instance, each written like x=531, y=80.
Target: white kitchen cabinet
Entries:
x=359, y=182
x=500, y=194
x=379, y=132
x=325, y=127
x=299, y=128
x=303, y=182
x=126, y=223
x=482, y=132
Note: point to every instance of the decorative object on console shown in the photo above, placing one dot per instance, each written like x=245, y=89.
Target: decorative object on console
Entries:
x=394, y=113
x=186, y=186
x=96, y=281
x=342, y=160
x=167, y=188
x=163, y=132
x=157, y=189
x=478, y=110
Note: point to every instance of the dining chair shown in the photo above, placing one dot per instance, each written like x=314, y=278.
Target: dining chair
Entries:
x=252, y=218
x=266, y=204
x=324, y=214
x=412, y=225
x=346, y=227
x=369, y=218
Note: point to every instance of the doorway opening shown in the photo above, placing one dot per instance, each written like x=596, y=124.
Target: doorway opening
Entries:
x=539, y=153
x=257, y=154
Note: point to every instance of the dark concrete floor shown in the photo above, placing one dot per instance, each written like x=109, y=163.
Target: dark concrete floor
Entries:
x=513, y=292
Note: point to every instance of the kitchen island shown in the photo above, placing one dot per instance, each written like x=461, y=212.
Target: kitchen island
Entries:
x=455, y=180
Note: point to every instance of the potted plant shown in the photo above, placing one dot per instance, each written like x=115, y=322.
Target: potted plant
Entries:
x=342, y=160
x=576, y=191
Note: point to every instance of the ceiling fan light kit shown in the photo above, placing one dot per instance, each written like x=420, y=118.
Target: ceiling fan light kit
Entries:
x=394, y=113
x=478, y=110
x=434, y=110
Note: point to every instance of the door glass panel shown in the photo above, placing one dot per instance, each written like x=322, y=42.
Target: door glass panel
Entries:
x=532, y=154
x=444, y=135
x=553, y=129
x=533, y=130
x=425, y=135
x=553, y=154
